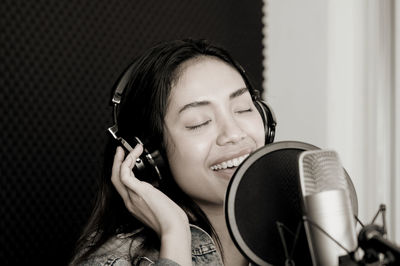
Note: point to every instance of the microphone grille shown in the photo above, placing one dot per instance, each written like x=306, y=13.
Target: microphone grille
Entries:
x=322, y=171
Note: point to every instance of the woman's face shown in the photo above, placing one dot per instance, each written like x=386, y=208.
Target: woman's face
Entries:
x=211, y=125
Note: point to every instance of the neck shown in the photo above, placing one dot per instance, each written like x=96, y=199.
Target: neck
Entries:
x=216, y=216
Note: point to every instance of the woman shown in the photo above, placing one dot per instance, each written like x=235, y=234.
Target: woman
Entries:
x=193, y=103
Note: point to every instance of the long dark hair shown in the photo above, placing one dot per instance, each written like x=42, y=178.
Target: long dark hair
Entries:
x=142, y=112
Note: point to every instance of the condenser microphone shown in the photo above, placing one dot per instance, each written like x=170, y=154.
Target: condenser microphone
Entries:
x=328, y=215
x=263, y=206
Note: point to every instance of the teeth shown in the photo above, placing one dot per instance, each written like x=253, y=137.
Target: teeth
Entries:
x=230, y=163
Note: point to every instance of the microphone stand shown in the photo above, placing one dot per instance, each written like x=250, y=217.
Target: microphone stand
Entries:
x=372, y=239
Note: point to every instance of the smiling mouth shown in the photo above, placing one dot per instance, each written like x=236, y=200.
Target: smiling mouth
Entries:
x=229, y=163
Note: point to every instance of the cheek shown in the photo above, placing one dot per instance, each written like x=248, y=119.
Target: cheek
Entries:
x=261, y=133
x=255, y=129
x=186, y=154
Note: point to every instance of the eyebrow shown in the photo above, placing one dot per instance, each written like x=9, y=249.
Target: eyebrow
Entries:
x=233, y=95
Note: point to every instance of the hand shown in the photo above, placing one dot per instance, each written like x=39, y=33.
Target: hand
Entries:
x=152, y=207
x=145, y=202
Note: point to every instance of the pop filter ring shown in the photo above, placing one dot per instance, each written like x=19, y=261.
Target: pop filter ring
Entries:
x=230, y=199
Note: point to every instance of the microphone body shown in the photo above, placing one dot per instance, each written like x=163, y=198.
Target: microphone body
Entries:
x=331, y=211
x=329, y=219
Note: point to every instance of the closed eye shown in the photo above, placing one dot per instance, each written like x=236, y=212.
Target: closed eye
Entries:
x=198, y=126
x=244, y=111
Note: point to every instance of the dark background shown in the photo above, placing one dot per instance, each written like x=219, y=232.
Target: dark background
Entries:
x=59, y=61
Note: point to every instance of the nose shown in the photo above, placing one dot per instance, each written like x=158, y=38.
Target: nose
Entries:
x=230, y=132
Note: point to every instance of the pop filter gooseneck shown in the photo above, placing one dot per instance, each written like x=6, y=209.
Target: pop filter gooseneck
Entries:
x=263, y=206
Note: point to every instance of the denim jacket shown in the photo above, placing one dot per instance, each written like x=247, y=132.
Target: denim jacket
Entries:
x=118, y=250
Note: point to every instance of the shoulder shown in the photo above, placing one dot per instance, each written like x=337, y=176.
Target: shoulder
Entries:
x=126, y=249
x=122, y=249
x=204, y=251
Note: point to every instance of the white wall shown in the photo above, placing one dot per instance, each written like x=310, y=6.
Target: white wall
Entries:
x=396, y=161
x=295, y=68
x=329, y=76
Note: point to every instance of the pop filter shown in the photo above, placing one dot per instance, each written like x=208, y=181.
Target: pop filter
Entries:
x=264, y=193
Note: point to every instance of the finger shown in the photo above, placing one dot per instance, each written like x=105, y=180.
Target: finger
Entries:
x=128, y=164
x=118, y=159
x=115, y=175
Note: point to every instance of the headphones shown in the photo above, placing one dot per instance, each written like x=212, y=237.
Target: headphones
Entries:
x=150, y=164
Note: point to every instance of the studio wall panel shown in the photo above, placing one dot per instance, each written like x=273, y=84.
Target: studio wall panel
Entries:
x=59, y=61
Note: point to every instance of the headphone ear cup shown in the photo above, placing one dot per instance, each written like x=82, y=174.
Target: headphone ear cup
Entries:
x=149, y=165
x=153, y=165
x=268, y=118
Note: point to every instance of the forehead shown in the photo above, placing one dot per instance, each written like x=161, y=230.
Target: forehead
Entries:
x=205, y=77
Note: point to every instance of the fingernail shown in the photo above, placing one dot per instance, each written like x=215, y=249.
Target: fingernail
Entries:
x=119, y=150
x=139, y=144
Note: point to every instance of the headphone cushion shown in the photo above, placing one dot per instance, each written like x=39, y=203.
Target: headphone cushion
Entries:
x=268, y=120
